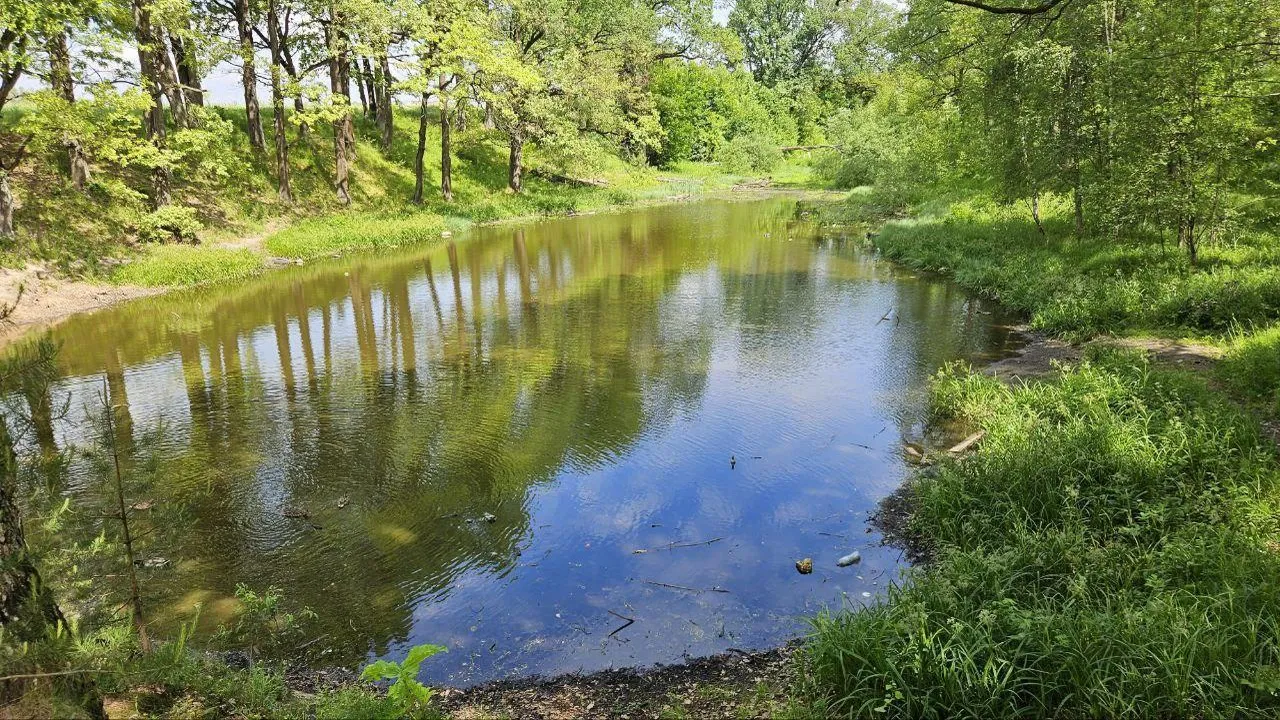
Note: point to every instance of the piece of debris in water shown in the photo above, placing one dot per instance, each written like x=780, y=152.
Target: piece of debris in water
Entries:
x=489, y=517
x=967, y=443
x=155, y=562
x=805, y=566
x=293, y=512
x=343, y=502
x=866, y=594
x=732, y=461
x=143, y=505
x=852, y=558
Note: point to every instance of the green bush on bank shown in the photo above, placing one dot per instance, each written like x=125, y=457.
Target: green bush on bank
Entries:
x=1105, y=554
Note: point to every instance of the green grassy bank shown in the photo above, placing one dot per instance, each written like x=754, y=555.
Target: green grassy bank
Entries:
x=1111, y=550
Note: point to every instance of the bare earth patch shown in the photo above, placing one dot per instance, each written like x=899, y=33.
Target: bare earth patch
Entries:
x=47, y=299
x=1042, y=353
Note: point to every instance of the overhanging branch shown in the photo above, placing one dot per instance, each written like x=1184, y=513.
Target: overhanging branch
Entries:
x=1043, y=7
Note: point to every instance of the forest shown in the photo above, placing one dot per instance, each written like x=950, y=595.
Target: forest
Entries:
x=1105, y=170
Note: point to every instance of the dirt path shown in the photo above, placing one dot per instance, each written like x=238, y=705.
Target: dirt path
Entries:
x=1042, y=353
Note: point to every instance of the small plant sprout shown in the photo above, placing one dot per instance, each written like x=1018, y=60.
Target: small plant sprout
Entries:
x=405, y=689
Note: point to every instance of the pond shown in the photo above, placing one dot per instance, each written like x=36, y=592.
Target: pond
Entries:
x=514, y=442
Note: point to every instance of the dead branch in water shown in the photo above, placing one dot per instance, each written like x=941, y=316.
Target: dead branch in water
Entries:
x=674, y=545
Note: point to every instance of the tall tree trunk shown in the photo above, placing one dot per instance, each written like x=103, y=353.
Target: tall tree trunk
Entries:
x=304, y=130
x=249, y=76
x=340, y=85
x=168, y=78
x=386, y=118
x=1077, y=196
x=366, y=85
x=418, y=171
x=61, y=81
x=184, y=55
x=446, y=152
x=1187, y=237
x=515, y=163
x=489, y=123
x=6, y=206
x=460, y=111
x=360, y=90
x=1035, y=212
x=277, y=103
x=153, y=118
x=341, y=170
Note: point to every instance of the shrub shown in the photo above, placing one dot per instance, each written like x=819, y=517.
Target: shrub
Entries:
x=171, y=222
x=751, y=153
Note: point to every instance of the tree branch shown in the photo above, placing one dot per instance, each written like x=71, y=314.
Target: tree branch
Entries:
x=1043, y=7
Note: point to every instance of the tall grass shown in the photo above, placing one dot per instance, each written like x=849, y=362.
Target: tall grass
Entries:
x=1251, y=366
x=355, y=231
x=1081, y=287
x=183, y=265
x=1110, y=552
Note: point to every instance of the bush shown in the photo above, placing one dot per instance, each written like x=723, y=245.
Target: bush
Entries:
x=753, y=153
x=171, y=222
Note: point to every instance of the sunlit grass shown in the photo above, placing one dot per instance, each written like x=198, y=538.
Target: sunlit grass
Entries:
x=353, y=231
x=1105, y=554
x=183, y=265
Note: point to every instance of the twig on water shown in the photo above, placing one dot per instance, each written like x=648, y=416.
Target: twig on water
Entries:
x=629, y=622
x=886, y=316
x=674, y=545
x=669, y=585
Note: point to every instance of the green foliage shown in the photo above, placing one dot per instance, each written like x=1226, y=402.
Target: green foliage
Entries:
x=405, y=691
x=170, y=222
x=348, y=703
x=703, y=108
x=1105, y=554
x=1083, y=287
x=262, y=625
x=1251, y=367
x=754, y=153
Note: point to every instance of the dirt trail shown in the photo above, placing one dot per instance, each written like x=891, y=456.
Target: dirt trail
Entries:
x=1042, y=353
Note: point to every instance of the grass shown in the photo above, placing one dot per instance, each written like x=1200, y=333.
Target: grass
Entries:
x=1082, y=287
x=1110, y=552
x=1251, y=367
x=182, y=265
x=317, y=237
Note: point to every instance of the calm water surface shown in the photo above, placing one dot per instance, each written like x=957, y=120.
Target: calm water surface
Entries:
x=721, y=372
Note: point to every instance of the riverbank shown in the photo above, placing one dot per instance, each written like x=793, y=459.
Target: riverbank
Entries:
x=41, y=295
x=1109, y=550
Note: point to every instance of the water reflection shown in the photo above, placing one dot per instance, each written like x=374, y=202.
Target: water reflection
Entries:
x=583, y=383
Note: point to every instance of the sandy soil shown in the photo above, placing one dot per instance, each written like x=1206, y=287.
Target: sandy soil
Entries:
x=47, y=299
